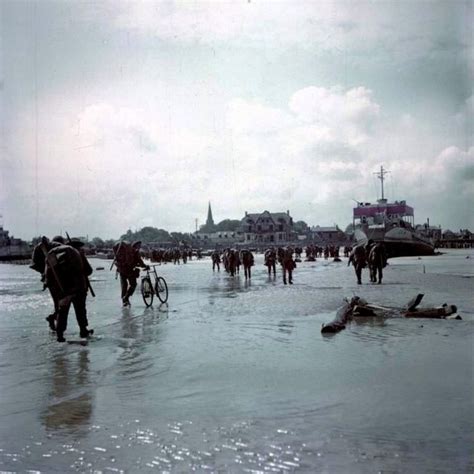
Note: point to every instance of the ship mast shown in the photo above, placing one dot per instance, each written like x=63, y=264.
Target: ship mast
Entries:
x=381, y=175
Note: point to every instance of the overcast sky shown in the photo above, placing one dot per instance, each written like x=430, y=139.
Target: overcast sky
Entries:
x=122, y=115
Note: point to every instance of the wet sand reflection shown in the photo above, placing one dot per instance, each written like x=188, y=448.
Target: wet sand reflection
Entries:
x=71, y=403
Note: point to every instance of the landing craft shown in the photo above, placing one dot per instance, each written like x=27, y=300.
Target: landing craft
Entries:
x=391, y=223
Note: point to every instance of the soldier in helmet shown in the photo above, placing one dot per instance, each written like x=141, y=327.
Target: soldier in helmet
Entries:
x=127, y=259
x=65, y=270
x=39, y=264
x=77, y=297
x=358, y=258
x=288, y=264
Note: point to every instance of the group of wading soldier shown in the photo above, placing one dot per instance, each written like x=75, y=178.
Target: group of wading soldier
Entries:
x=372, y=255
x=232, y=259
x=65, y=272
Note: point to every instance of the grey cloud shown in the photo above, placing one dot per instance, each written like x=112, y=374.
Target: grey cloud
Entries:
x=144, y=141
x=334, y=151
x=465, y=173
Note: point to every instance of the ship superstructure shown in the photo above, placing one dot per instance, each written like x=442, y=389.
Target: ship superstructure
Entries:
x=392, y=223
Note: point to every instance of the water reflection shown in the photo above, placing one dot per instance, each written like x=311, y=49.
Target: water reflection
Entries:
x=163, y=308
x=70, y=405
x=286, y=327
x=372, y=321
x=232, y=287
x=140, y=328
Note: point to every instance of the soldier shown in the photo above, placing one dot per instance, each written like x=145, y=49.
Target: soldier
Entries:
x=247, y=259
x=67, y=271
x=270, y=260
x=216, y=260
x=288, y=264
x=127, y=259
x=39, y=264
x=176, y=256
x=358, y=258
x=377, y=260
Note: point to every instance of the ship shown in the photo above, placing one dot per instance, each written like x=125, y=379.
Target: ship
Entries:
x=391, y=223
x=12, y=249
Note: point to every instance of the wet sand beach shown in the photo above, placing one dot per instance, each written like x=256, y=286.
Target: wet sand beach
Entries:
x=235, y=376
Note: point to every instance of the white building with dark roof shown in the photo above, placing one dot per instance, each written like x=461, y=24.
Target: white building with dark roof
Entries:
x=267, y=227
x=328, y=235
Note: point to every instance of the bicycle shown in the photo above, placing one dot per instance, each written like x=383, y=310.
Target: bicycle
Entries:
x=160, y=288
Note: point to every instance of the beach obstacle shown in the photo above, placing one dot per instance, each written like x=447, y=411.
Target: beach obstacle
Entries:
x=358, y=307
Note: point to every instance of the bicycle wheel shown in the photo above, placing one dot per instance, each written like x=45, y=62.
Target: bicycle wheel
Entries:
x=147, y=291
x=161, y=289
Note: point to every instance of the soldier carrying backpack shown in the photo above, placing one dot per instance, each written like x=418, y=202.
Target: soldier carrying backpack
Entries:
x=66, y=273
x=127, y=259
x=38, y=263
x=358, y=258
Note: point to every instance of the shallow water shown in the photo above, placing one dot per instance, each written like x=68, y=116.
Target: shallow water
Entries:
x=232, y=376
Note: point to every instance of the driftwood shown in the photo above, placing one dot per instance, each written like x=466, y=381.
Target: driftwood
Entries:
x=359, y=307
x=442, y=312
x=411, y=310
x=342, y=316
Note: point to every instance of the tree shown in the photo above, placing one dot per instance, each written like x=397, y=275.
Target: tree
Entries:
x=97, y=242
x=109, y=243
x=146, y=235
x=300, y=227
x=228, y=225
x=179, y=237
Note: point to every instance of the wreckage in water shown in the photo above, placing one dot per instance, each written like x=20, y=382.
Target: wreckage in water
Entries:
x=391, y=223
x=357, y=306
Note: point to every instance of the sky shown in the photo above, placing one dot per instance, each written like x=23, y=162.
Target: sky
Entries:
x=119, y=115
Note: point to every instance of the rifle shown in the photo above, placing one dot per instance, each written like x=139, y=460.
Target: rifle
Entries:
x=115, y=256
x=89, y=287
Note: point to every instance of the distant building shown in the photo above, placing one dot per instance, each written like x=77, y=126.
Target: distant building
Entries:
x=209, y=226
x=427, y=230
x=219, y=239
x=208, y=235
x=463, y=234
x=328, y=235
x=449, y=234
x=267, y=227
x=462, y=239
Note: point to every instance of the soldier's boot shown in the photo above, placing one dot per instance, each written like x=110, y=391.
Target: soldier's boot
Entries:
x=86, y=332
x=60, y=337
x=51, y=321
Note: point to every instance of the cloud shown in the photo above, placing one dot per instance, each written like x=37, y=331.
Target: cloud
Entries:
x=114, y=167
x=319, y=125
x=255, y=118
x=407, y=31
x=135, y=166
x=458, y=166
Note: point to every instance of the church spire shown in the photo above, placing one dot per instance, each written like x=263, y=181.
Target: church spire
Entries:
x=210, y=220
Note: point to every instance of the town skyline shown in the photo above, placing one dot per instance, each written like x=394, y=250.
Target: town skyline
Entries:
x=128, y=114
